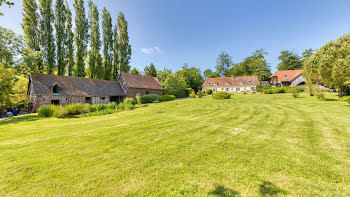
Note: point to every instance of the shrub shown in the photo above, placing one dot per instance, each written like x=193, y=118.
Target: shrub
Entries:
x=112, y=105
x=320, y=95
x=345, y=99
x=149, y=98
x=125, y=106
x=261, y=87
x=245, y=92
x=193, y=94
x=46, y=111
x=209, y=91
x=199, y=94
x=79, y=108
x=267, y=91
x=130, y=101
x=166, y=98
x=295, y=94
x=138, y=98
x=253, y=92
x=221, y=95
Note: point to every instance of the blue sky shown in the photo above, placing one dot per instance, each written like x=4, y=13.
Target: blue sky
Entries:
x=170, y=33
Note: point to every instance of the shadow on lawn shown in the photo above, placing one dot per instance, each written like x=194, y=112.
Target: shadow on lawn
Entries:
x=269, y=189
x=17, y=119
x=222, y=191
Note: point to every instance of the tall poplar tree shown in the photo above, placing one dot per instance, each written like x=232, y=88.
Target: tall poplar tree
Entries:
x=124, y=48
x=115, y=53
x=81, y=37
x=69, y=41
x=107, y=35
x=47, y=39
x=31, y=53
x=95, y=59
x=60, y=22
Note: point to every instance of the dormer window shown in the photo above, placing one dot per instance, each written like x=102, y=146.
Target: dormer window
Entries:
x=209, y=83
x=242, y=82
x=228, y=83
x=250, y=81
x=285, y=76
x=55, y=88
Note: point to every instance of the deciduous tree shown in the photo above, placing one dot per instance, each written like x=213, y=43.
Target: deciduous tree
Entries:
x=107, y=35
x=150, y=70
x=289, y=61
x=223, y=64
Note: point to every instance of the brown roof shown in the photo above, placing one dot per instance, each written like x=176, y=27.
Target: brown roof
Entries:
x=229, y=81
x=140, y=81
x=75, y=86
x=287, y=75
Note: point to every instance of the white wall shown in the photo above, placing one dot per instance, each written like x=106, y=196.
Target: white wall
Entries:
x=243, y=88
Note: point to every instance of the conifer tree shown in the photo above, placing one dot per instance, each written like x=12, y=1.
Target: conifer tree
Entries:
x=107, y=35
x=81, y=37
x=124, y=48
x=60, y=22
x=47, y=40
x=69, y=41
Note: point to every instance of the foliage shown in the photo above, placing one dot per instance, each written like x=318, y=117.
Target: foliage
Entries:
x=192, y=76
x=162, y=75
x=175, y=85
x=10, y=48
x=19, y=96
x=60, y=22
x=166, y=98
x=69, y=58
x=47, y=39
x=214, y=75
x=107, y=37
x=200, y=94
x=221, y=95
x=253, y=65
x=330, y=64
x=193, y=94
x=125, y=106
x=150, y=71
x=149, y=98
x=320, y=95
x=129, y=101
x=138, y=98
x=295, y=93
x=7, y=83
x=289, y=61
x=30, y=25
x=223, y=64
x=261, y=87
x=81, y=37
x=207, y=73
x=344, y=99
x=124, y=48
x=135, y=71
x=209, y=91
x=48, y=111
x=9, y=3
x=266, y=89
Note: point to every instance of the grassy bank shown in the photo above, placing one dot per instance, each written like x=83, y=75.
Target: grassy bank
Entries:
x=249, y=145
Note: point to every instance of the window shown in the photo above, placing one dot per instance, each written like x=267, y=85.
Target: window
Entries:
x=209, y=83
x=222, y=88
x=216, y=84
x=242, y=82
x=238, y=89
x=227, y=89
x=88, y=100
x=147, y=92
x=286, y=76
x=250, y=81
x=102, y=98
x=55, y=88
x=55, y=102
x=228, y=83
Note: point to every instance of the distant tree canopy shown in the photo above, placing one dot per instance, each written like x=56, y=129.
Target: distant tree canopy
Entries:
x=224, y=64
x=135, y=71
x=150, y=70
x=192, y=76
x=9, y=3
x=10, y=47
x=254, y=65
x=207, y=73
x=214, y=75
x=289, y=61
x=330, y=64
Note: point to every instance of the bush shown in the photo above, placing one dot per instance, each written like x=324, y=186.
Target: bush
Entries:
x=221, y=95
x=46, y=111
x=149, y=98
x=320, y=95
x=267, y=91
x=193, y=94
x=344, y=99
x=209, y=91
x=199, y=94
x=166, y=98
x=261, y=87
x=253, y=92
x=130, y=101
x=79, y=108
x=125, y=106
x=138, y=98
x=295, y=94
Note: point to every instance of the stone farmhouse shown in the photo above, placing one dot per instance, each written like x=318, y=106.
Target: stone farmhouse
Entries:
x=231, y=84
x=45, y=89
x=288, y=78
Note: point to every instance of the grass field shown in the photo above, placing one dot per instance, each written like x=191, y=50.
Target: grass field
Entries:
x=250, y=145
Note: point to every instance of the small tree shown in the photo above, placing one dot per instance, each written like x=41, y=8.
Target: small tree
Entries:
x=199, y=94
x=209, y=91
x=193, y=94
x=138, y=98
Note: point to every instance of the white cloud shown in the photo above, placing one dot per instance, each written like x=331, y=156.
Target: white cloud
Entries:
x=151, y=51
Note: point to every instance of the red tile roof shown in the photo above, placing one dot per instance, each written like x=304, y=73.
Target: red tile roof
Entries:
x=231, y=81
x=140, y=81
x=287, y=75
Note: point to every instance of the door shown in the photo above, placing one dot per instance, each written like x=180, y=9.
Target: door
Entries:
x=55, y=102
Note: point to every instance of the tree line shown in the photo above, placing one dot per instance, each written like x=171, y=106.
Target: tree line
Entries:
x=53, y=46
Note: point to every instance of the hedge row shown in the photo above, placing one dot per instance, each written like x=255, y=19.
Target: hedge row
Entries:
x=266, y=89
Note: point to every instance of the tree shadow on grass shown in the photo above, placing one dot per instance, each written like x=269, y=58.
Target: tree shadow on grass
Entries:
x=17, y=119
x=269, y=189
x=330, y=99
x=222, y=191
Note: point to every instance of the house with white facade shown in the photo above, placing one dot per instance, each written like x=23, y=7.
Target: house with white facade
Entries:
x=231, y=84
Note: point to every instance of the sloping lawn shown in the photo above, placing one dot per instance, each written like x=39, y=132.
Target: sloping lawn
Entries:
x=250, y=145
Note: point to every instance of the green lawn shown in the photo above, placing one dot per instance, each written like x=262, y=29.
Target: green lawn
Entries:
x=250, y=145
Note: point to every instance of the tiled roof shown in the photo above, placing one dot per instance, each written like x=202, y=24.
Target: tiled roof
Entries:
x=75, y=86
x=231, y=81
x=140, y=81
x=287, y=75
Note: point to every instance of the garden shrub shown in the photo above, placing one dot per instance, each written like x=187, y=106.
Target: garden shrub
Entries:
x=253, y=92
x=149, y=98
x=295, y=93
x=209, y=91
x=46, y=111
x=199, y=94
x=261, y=87
x=320, y=95
x=166, y=98
x=193, y=94
x=125, y=106
x=138, y=98
x=344, y=99
x=221, y=95
x=130, y=101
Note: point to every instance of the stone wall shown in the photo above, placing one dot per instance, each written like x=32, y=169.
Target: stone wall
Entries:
x=131, y=92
